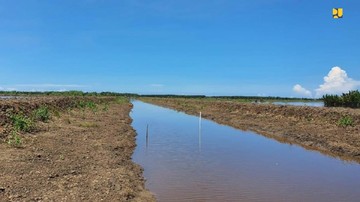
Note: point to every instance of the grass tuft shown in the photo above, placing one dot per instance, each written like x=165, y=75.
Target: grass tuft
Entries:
x=346, y=121
x=14, y=140
x=88, y=104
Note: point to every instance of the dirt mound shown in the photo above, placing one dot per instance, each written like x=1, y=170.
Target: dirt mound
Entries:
x=80, y=155
x=27, y=105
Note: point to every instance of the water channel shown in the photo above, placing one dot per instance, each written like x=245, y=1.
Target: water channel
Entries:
x=225, y=164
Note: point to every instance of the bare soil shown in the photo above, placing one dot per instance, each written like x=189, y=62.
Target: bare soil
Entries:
x=77, y=156
x=315, y=128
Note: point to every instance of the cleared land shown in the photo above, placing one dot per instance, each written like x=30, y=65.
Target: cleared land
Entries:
x=332, y=131
x=78, y=155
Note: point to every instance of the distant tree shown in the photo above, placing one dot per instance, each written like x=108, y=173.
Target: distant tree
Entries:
x=350, y=99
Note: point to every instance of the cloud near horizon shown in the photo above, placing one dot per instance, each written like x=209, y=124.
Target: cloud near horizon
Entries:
x=302, y=91
x=48, y=85
x=42, y=87
x=336, y=82
x=156, y=85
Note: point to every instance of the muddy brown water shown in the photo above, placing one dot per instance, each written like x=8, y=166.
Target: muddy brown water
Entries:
x=225, y=164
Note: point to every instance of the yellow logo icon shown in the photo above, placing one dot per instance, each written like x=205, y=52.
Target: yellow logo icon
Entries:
x=337, y=12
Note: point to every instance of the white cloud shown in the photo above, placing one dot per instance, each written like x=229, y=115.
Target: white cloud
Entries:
x=7, y=88
x=302, y=91
x=337, y=82
x=42, y=87
x=157, y=85
x=48, y=85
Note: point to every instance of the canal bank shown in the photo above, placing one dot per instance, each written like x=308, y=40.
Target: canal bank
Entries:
x=77, y=155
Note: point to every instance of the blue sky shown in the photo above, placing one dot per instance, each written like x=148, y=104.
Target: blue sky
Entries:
x=212, y=47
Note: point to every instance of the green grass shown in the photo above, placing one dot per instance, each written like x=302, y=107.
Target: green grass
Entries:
x=42, y=114
x=122, y=100
x=14, y=139
x=21, y=123
x=88, y=105
x=346, y=121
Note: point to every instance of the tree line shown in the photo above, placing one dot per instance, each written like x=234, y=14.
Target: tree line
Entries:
x=350, y=99
x=65, y=93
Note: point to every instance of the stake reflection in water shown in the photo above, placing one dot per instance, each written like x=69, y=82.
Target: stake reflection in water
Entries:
x=200, y=132
x=147, y=135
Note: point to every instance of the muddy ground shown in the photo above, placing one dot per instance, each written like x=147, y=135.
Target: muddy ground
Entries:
x=315, y=128
x=79, y=155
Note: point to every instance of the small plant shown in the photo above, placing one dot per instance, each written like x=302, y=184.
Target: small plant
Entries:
x=42, y=114
x=15, y=139
x=92, y=106
x=346, y=121
x=81, y=104
x=106, y=107
x=21, y=123
x=88, y=104
x=121, y=100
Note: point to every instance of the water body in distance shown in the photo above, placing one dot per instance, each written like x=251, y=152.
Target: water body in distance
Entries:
x=310, y=104
x=232, y=165
x=7, y=97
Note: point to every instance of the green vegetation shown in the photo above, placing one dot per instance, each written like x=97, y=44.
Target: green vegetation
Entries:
x=132, y=95
x=105, y=107
x=22, y=119
x=42, y=114
x=14, y=139
x=122, y=100
x=350, y=99
x=87, y=104
x=65, y=93
x=346, y=121
x=21, y=123
x=237, y=98
x=91, y=105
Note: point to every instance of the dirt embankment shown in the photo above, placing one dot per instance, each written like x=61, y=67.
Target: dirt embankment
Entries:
x=27, y=105
x=311, y=127
x=79, y=155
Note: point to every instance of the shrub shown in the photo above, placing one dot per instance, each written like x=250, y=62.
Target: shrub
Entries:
x=21, y=123
x=42, y=114
x=350, y=99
